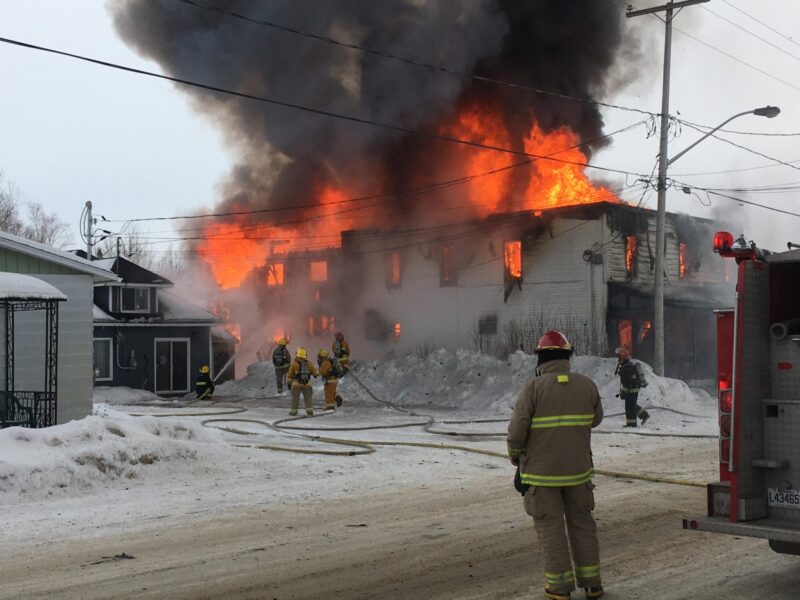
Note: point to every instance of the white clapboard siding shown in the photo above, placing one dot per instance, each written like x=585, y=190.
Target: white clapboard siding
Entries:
x=75, y=345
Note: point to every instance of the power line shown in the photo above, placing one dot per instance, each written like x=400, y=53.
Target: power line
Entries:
x=750, y=203
x=432, y=187
x=307, y=109
x=755, y=35
x=770, y=166
x=407, y=60
x=745, y=148
x=772, y=29
x=737, y=132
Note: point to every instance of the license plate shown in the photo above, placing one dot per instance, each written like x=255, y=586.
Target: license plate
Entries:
x=784, y=498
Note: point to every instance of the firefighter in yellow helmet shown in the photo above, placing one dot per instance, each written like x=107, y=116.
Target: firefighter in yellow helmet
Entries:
x=330, y=370
x=204, y=387
x=281, y=359
x=300, y=373
x=341, y=350
x=549, y=440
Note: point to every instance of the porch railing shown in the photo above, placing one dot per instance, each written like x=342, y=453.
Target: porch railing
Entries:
x=27, y=409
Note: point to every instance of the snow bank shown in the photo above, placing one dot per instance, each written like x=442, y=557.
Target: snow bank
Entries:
x=116, y=396
x=470, y=380
x=98, y=452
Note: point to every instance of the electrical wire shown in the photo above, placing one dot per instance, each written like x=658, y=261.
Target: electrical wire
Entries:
x=741, y=147
x=307, y=109
x=750, y=33
x=762, y=23
x=409, y=61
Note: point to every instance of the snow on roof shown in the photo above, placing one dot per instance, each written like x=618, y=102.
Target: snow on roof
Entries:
x=15, y=286
x=175, y=308
x=223, y=335
x=98, y=314
x=61, y=257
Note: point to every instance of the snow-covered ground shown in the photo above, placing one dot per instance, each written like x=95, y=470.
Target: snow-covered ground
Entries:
x=121, y=468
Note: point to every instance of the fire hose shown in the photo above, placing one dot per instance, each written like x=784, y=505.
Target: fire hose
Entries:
x=362, y=447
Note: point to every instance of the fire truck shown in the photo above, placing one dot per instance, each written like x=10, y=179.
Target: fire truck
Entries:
x=758, y=356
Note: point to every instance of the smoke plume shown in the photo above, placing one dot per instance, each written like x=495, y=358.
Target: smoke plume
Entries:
x=288, y=158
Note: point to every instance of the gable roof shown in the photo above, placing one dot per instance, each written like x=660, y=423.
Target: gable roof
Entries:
x=172, y=310
x=50, y=254
x=130, y=272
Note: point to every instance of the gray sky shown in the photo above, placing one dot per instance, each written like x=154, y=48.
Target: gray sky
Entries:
x=73, y=132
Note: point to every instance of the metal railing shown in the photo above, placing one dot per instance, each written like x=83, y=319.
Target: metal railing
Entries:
x=27, y=409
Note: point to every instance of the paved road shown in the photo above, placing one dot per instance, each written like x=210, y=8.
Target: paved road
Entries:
x=470, y=543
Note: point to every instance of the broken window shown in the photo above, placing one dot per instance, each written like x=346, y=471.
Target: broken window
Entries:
x=631, y=255
x=318, y=271
x=513, y=259
x=644, y=333
x=394, y=269
x=275, y=275
x=683, y=260
x=625, y=330
x=447, y=266
x=487, y=325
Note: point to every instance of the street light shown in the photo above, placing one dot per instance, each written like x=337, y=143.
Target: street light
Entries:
x=658, y=358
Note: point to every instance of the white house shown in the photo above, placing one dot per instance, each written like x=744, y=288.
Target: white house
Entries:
x=75, y=278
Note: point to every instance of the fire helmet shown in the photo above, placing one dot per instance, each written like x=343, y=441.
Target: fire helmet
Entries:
x=282, y=342
x=301, y=353
x=323, y=353
x=204, y=369
x=339, y=336
x=553, y=340
x=622, y=353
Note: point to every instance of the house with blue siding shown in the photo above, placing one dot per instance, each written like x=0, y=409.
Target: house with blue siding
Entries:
x=147, y=337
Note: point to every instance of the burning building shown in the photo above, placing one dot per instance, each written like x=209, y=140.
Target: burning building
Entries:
x=497, y=283
x=429, y=202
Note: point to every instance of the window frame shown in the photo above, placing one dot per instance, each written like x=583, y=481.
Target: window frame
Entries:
x=110, y=341
x=135, y=289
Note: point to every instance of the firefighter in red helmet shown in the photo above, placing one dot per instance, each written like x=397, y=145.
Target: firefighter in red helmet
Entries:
x=549, y=440
x=631, y=380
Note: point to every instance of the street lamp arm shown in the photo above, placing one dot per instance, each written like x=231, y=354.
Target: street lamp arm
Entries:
x=709, y=134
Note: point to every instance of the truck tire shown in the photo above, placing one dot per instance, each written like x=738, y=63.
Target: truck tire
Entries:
x=785, y=547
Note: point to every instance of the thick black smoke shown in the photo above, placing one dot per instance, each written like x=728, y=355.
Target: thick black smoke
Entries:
x=285, y=155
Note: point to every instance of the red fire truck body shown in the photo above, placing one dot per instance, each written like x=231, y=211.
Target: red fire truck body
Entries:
x=758, y=355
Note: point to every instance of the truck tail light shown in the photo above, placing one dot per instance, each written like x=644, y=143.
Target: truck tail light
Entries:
x=724, y=382
x=725, y=425
x=725, y=401
x=724, y=450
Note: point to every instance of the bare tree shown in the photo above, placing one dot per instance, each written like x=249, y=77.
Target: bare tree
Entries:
x=133, y=245
x=9, y=207
x=41, y=226
x=46, y=228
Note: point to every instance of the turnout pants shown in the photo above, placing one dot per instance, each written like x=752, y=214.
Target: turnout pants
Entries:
x=330, y=392
x=632, y=408
x=561, y=514
x=297, y=389
x=280, y=377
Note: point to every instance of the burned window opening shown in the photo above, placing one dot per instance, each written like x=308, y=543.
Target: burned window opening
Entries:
x=394, y=279
x=512, y=267
x=275, y=275
x=625, y=332
x=683, y=260
x=631, y=256
x=448, y=275
x=318, y=271
x=487, y=325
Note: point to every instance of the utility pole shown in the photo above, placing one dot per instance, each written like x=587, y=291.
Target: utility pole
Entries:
x=658, y=293
x=89, y=230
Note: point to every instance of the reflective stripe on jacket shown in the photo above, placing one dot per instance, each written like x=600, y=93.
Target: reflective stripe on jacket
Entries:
x=550, y=429
x=629, y=379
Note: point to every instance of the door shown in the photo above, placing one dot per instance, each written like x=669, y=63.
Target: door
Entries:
x=172, y=365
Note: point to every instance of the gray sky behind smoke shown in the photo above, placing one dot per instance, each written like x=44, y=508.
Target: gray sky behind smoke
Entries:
x=73, y=132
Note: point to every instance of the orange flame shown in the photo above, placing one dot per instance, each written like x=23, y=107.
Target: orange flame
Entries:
x=631, y=254
x=626, y=334
x=683, y=260
x=275, y=274
x=513, y=259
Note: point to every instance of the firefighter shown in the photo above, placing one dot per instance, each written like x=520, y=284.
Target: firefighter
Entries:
x=281, y=359
x=341, y=350
x=300, y=373
x=549, y=440
x=330, y=371
x=631, y=380
x=204, y=387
